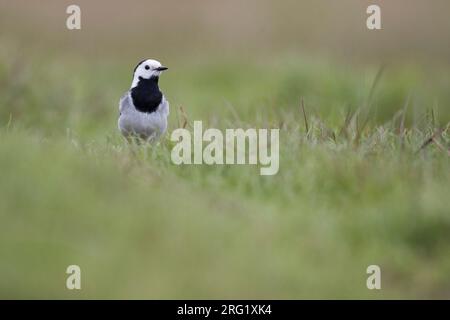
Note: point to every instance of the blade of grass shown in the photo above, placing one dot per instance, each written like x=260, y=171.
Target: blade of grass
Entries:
x=305, y=118
x=430, y=140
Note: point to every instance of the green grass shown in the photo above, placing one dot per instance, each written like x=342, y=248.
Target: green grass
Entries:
x=348, y=193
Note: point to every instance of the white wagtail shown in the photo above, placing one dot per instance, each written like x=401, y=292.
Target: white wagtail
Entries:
x=144, y=109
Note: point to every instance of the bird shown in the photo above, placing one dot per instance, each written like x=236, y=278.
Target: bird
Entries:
x=143, y=109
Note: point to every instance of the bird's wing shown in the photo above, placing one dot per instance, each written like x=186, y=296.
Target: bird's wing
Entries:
x=124, y=102
x=165, y=106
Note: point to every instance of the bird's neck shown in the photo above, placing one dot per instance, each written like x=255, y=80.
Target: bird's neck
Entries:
x=139, y=81
x=146, y=95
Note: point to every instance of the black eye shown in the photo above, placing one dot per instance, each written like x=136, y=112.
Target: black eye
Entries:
x=147, y=67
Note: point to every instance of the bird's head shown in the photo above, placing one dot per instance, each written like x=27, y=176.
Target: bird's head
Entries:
x=147, y=69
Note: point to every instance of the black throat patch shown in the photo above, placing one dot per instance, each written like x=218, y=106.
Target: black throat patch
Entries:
x=146, y=95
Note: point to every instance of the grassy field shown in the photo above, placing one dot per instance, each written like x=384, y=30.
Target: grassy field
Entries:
x=364, y=179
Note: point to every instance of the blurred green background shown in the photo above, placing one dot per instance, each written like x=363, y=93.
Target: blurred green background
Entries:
x=358, y=182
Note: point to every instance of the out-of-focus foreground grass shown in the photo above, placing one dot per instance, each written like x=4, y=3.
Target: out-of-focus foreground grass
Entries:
x=361, y=187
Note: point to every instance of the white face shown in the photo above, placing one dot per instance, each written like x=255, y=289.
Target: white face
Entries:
x=147, y=69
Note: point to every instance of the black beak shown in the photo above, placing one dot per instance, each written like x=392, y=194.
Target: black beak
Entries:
x=162, y=68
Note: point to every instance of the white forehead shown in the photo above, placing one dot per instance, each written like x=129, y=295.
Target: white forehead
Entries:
x=151, y=63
